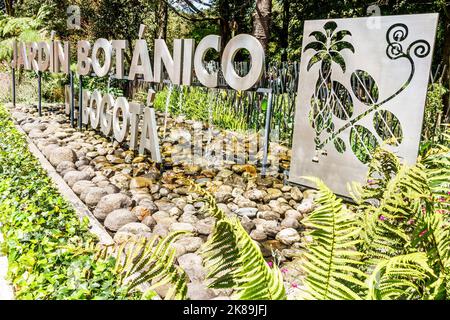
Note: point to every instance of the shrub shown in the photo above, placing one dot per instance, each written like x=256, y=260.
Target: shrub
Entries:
x=51, y=253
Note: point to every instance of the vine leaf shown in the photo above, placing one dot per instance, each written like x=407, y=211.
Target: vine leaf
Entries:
x=339, y=144
x=388, y=127
x=364, y=87
x=363, y=143
x=341, y=101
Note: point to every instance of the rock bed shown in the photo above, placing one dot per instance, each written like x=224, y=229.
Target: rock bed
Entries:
x=131, y=197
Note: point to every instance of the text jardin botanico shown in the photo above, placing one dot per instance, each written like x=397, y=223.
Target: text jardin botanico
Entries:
x=117, y=117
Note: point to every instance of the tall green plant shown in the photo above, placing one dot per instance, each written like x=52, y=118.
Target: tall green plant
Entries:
x=397, y=238
x=234, y=260
x=24, y=29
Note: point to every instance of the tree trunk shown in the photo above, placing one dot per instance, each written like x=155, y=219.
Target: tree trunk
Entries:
x=224, y=23
x=261, y=21
x=284, y=40
x=9, y=7
x=162, y=16
x=446, y=61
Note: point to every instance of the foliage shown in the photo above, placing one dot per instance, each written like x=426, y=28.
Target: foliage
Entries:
x=234, y=260
x=138, y=261
x=402, y=246
x=51, y=253
x=198, y=104
x=433, y=123
x=23, y=29
x=332, y=261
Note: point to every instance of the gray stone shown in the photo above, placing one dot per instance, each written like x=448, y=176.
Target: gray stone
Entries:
x=189, y=208
x=160, y=230
x=255, y=194
x=205, y=226
x=296, y=194
x=149, y=205
x=110, y=203
x=248, y=212
x=258, y=234
x=288, y=236
x=199, y=291
x=160, y=215
x=224, y=208
x=164, y=205
x=64, y=165
x=111, y=189
x=223, y=193
x=190, y=244
x=269, y=215
x=82, y=185
x=290, y=223
x=94, y=195
x=180, y=226
x=48, y=149
x=293, y=214
x=306, y=206
x=191, y=263
x=149, y=221
x=73, y=176
x=247, y=223
x=135, y=228
x=118, y=218
x=270, y=227
x=188, y=217
x=60, y=154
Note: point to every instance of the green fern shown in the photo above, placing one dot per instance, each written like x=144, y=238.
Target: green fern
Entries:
x=400, y=277
x=400, y=236
x=387, y=204
x=234, y=260
x=138, y=262
x=331, y=261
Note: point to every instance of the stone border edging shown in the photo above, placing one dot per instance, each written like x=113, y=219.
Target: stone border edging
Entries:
x=80, y=208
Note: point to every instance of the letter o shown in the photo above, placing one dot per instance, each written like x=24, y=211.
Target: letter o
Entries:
x=120, y=133
x=94, y=113
x=43, y=54
x=106, y=116
x=105, y=45
x=86, y=108
x=209, y=80
x=256, y=50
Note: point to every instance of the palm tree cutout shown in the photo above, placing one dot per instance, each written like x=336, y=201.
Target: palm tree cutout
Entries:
x=330, y=97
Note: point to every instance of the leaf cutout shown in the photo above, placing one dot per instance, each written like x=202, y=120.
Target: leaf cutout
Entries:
x=341, y=101
x=338, y=36
x=316, y=58
x=319, y=36
x=341, y=45
x=364, y=87
x=363, y=143
x=338, y=59
x=339, y=144
x=330, y=27
x=315, y=45
x=388, y=127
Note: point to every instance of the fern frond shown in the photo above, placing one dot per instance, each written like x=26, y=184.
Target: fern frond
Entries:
x=388, y=203
x=331, y=262
x=400, y=277
x=141, y=262
x=213, y=209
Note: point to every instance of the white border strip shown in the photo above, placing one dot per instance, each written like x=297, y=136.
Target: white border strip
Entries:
x=80, y=208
